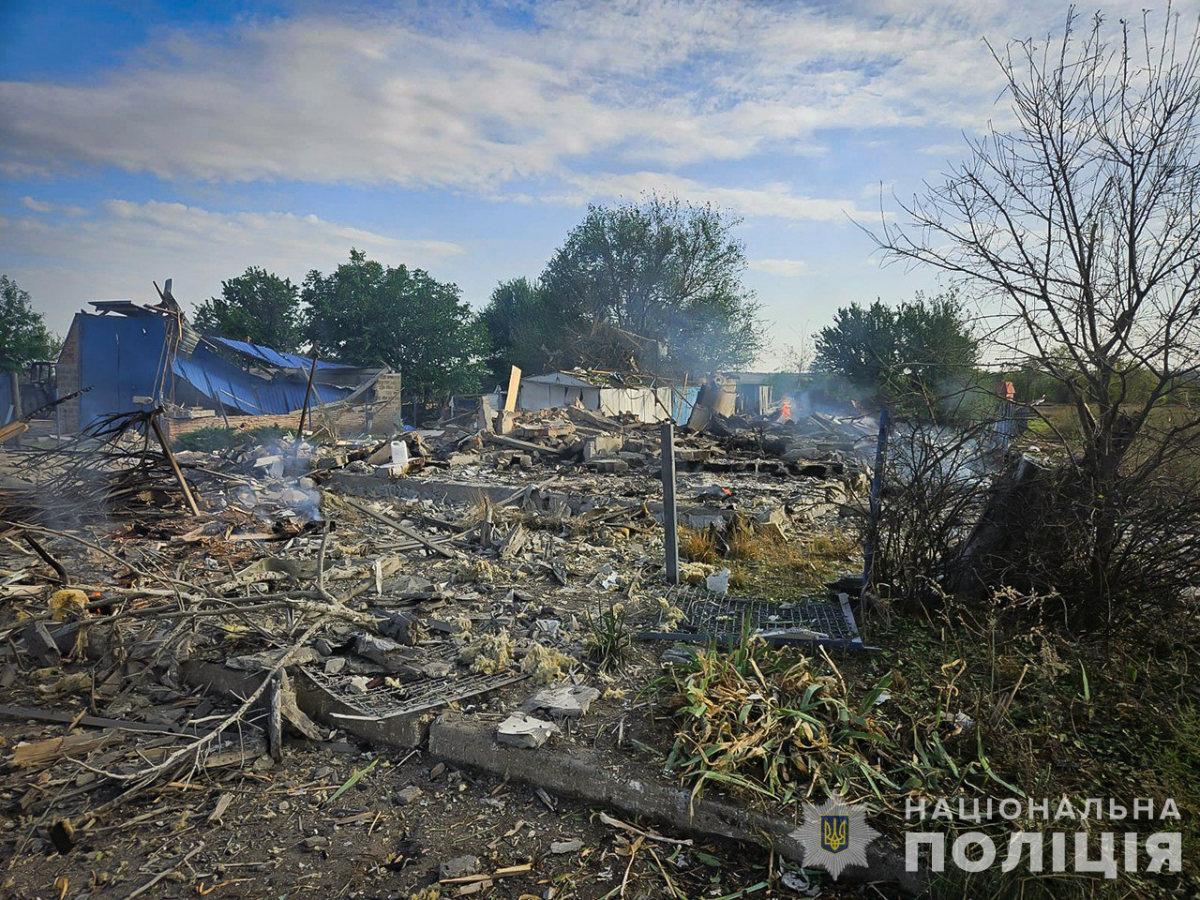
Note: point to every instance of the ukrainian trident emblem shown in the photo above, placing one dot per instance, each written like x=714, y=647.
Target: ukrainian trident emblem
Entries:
x=827, y=833
x=835, y=833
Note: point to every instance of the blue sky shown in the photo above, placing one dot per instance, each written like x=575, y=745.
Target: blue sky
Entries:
x=143, y=140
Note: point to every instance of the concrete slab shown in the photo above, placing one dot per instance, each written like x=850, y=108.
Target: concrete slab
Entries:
x=586, y=775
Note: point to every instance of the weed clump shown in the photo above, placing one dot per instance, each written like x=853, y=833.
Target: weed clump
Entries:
x=607, y=640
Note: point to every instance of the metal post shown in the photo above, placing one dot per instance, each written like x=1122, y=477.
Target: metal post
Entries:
x=312, y=371
x=670, y=527
x=876, y=492
x=15, y=387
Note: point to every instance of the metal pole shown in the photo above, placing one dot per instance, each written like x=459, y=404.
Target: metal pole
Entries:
x=312, y=371
x=876, y=492
x=14, y=380
x=670, y=528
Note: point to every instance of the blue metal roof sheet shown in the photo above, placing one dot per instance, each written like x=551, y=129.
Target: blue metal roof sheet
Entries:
x=224, y=383
x=272, y=357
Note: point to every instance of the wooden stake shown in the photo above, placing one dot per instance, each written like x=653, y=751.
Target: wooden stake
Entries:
x=166, y=449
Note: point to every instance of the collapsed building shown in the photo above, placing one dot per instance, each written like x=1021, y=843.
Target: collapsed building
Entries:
x=138, y=357
x=434, y=590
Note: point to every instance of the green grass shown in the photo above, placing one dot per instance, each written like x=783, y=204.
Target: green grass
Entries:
x=213, y=438
x=1051, y=717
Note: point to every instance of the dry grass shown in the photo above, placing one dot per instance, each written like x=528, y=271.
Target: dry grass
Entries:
x=745, y=541
x=763, y=560
x=698, y=545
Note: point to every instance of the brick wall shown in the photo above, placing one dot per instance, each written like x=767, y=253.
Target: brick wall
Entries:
x=67, y=375
x=348, y=421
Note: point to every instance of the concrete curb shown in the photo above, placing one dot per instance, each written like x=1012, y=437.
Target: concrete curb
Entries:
x=570, y=771
x=583, y=775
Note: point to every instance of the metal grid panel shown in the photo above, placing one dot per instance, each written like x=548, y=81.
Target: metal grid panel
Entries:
x=720, y=617
x=386, y=702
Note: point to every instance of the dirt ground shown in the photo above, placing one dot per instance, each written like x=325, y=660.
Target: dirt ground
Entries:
x=281, y=836
x=167, y=588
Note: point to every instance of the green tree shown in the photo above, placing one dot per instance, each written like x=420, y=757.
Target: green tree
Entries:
x=909, y=357
x=256, y=306
x=527, y=326
x=364, y=313
x=656, y=285
x=23, y=333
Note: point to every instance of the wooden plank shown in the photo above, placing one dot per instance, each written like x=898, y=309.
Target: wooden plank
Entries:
x=40, y=753
x=517, y=444
x=47, y=715
x=514, y=386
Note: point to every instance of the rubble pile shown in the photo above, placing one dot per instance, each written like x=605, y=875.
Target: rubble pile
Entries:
x=223, y=606
x=813, y=446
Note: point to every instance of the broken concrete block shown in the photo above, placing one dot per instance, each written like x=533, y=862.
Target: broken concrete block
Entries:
x=774, y=515
x=562, y=701
x=521, y=730
x=408, y=796
x=608, y=466
x=560, y=847
x=459, y=867
x=487, y=414
x=506, y=422
x=602, y=445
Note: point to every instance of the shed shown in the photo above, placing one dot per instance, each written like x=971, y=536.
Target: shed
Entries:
x=607, y=393
x=135, y=357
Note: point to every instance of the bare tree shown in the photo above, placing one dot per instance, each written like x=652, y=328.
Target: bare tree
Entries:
x=1080, y=226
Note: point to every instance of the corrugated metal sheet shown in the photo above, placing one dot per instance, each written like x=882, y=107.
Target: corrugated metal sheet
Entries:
x=119, y=357
x=224, y=383
x=6, y=404
x=273, y=357
x=557, y=378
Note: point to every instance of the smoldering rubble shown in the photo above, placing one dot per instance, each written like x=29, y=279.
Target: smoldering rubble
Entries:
x=180, y=618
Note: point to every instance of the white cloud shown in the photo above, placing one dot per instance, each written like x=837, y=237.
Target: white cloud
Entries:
x=776, y=200
x=947, y=151
x=118, y=249
x=42, y=206
x=787, y=268
x=458, y=97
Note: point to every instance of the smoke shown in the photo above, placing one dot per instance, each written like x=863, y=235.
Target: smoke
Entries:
x=284, y=488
